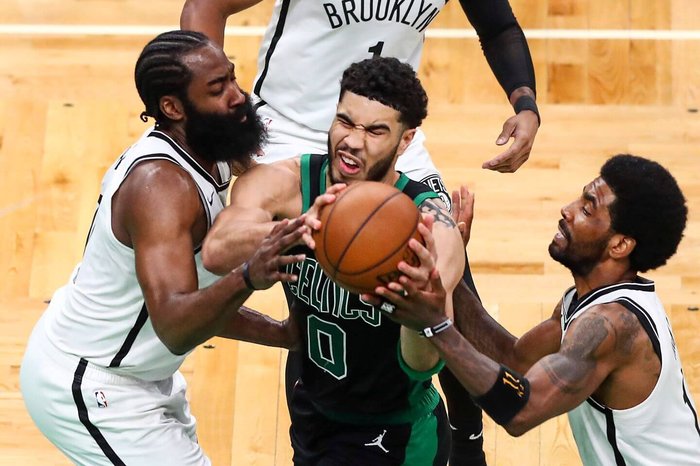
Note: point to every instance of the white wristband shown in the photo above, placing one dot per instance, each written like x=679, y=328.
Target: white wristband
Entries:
x=432, y=331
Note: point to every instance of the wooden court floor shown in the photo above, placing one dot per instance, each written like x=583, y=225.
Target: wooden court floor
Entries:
x=68, y=108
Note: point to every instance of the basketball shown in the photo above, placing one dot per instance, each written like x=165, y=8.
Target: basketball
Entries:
x=364, y=234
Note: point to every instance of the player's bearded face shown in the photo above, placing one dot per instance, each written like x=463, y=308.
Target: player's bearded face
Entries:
x=585, y=229
x=218, y=137
x=580, y=256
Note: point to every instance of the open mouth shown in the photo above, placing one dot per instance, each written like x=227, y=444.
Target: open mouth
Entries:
x=348, y=164
x=563, y=232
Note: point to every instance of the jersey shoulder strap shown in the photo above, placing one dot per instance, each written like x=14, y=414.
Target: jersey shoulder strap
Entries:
x=416, y=191
x=314, y=168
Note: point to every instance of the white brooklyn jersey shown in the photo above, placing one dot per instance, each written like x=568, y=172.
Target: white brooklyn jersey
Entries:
x=663, y=429
x=100, y=315
x=308, y=45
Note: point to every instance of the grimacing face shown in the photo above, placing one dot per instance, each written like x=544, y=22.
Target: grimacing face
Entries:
x=364, y=140
x=584, y=229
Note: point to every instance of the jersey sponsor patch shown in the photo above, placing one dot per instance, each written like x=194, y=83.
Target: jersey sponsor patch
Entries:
x=435, y=183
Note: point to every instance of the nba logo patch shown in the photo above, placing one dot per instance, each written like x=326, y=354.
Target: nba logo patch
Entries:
x=101, y=399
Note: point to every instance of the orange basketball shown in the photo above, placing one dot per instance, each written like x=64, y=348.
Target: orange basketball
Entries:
x=364, y=235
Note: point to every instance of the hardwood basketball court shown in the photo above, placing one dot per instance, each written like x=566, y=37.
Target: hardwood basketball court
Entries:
x=68, y=108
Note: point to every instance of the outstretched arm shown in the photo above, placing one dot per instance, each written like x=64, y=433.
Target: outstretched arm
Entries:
x=209, y=16
x=260, y=197
x=508, y=55
x=554, y=384
x=444, y=249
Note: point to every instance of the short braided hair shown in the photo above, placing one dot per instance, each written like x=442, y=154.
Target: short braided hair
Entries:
x=160, y=70
x=391, y=83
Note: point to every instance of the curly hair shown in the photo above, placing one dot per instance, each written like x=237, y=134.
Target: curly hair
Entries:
x=391, y=83
x=649, y=207
x=160, y=71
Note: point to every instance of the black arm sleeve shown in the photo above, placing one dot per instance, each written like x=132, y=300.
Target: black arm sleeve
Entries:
x=502, y=41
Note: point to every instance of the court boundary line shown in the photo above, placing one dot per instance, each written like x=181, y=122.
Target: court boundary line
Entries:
x=77, y=30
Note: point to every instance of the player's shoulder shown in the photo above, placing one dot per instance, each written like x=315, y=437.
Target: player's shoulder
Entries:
x=161, y=175
x=604, y=328
x=271, y=184
x=271, y=175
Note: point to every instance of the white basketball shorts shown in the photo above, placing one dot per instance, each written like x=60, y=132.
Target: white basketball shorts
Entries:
x=97, y=417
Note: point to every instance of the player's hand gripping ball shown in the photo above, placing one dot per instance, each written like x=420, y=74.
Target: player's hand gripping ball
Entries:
x=364, y=234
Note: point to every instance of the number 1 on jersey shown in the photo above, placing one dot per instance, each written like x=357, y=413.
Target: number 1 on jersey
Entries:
x=376, y=49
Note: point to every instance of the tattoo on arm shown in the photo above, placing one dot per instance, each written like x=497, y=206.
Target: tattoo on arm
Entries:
x=629, y=329
x=568, y=368
x=428, y=207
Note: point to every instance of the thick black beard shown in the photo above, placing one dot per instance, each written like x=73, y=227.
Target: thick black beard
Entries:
x=224, y=138
x=579, y=266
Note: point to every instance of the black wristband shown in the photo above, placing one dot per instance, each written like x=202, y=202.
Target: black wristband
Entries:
x=525, y=102
x=246, y=277
x=507, y=396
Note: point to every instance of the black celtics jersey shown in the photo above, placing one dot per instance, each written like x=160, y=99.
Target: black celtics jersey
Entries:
x=352, y=369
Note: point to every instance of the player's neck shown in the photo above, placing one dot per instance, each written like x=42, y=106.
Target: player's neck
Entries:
x=603, y=275
x=178, y=135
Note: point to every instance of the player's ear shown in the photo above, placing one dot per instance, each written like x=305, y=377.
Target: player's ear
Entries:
x=172, y=107
x=621, y=246
x=406, y=139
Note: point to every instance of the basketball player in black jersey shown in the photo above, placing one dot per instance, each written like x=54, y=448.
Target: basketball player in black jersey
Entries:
x=306, y=46
x=364, y=395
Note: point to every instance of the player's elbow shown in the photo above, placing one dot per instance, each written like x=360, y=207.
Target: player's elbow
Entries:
x=521, y=423
x=211, y=259
x=176, y=344
x=516, y=429
x=194, y=9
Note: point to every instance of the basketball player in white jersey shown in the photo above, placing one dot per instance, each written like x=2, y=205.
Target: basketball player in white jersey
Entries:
x=607, y=355
x=100, y=374
x=308, y=44
x=305, y=49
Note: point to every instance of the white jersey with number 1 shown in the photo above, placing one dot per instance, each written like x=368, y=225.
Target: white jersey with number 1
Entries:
x=305, y=50
x=308, y=44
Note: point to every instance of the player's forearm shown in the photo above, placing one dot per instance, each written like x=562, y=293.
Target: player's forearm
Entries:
x=475, y=371
x=503, y=43
x=479, y=374
x=482, y=331
x=184, y=320
x=209, y=16
x=228, y=246
x=254, y=327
